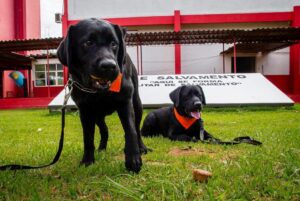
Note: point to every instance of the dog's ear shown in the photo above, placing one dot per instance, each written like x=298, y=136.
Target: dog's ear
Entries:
x=175, y=96
x=121, y=33
x=64, y=50
x=202, y=95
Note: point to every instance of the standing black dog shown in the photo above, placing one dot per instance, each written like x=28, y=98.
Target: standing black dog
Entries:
x=181, y=121
x=104, y=80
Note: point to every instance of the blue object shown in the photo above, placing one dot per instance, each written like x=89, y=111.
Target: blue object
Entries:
x=18, y=77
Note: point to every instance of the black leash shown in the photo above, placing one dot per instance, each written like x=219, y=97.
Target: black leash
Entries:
x=61, y=141
x=209, y=139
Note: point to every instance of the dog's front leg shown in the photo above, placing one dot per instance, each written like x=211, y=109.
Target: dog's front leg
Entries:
x=133, y=160
x=88, y=126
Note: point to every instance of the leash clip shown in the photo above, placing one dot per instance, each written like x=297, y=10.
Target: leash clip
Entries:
x=68, y=90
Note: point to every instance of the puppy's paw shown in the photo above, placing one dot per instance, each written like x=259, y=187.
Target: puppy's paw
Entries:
x=133, y=162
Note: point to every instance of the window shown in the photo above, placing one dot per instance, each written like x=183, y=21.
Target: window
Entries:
x=53, y=78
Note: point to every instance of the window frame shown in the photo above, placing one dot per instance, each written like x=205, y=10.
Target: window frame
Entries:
x=58, y=80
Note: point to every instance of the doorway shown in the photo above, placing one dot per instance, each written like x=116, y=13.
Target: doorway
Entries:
x=243, y=64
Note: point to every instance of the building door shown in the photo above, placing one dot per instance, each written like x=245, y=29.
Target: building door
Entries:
x=1, y=84
x=243, y=64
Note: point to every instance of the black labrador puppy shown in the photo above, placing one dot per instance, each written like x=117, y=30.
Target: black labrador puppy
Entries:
x=104, y=80
x=181, y=121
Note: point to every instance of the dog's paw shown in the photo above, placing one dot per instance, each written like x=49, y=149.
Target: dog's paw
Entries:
x=145, y=150
x=133, y=162
x=87, y=162
x=102, y=147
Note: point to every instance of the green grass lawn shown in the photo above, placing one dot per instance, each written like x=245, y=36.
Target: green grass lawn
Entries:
x=241, y=172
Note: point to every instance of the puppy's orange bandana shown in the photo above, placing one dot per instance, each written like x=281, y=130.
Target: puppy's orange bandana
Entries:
x=186, y=122
x=116, y=84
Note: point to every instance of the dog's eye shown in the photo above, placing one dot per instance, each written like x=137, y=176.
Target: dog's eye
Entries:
x=114, y=45
x=88, y=43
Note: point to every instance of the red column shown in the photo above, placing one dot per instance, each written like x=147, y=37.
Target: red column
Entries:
x=64, y=33
x=177, y=28
x=20, y=19
x=295, y=56
x=234, y=56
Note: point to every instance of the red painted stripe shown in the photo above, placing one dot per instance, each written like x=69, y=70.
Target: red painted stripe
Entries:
x=21, y=103
x=177, y=27
x=295, y=56
x=65, y=26
x=237, y=18
x=201, y=19
x=138, y=21
x=177, y=59
x=177, y=21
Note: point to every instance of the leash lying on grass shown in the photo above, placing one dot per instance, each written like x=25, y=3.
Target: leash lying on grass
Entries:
x=238, y=140
x=61, y=141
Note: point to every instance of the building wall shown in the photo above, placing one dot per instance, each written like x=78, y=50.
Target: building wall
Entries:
x=194, y=58
x=206, y=58
x=7, y=20
x=79, y=9
x=19, y=19
x=158, y=15
x=33, y=19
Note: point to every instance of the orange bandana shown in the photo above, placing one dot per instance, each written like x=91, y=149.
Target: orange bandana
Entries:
x=116, y=84
x=186, y=122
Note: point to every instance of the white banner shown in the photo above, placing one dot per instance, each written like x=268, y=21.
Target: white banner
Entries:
x=219, y=89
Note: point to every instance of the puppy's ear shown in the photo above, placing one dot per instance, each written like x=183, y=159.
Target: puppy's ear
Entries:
x=121, y=33
x=202, y=95
x=64, y=50
x=175, y=96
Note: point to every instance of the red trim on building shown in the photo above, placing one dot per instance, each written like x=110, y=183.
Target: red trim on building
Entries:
x=21, y=103
x=295, y=56
x=138, y=21
x=65, y=25
x=201, y=19
x=280, y=81
x=20, y=19
x=177, y=49
x=51, y=91
x=236, y=18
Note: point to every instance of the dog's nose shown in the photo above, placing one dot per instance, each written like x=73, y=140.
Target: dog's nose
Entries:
x=107, y=64
x=198, y=104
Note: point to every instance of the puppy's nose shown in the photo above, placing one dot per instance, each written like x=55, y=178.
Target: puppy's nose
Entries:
x=197, y=104
x=107, y=64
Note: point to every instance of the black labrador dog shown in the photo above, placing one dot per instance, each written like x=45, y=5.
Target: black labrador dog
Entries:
x=181, y=121
x=104, y=80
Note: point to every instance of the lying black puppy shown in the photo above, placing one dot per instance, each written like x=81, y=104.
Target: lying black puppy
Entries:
x=181, y=121
x=104, y=80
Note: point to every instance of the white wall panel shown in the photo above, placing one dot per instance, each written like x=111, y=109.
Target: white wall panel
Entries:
x=201, y=59
x=158, y=59
x=79, y=9
x=274, y=63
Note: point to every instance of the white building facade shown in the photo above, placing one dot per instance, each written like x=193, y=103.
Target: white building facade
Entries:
x=282, y=67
